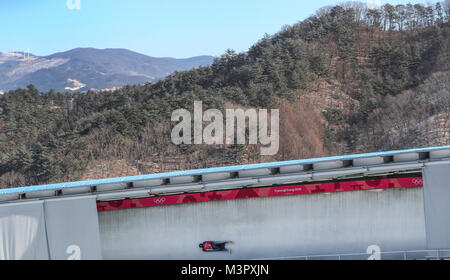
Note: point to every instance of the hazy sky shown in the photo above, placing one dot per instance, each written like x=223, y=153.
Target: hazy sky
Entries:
x=175, y=28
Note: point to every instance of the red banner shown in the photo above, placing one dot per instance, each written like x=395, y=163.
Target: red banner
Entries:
x=261, y=192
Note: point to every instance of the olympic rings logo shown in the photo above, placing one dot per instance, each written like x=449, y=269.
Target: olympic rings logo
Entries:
x=159, y=200
x=417, y=181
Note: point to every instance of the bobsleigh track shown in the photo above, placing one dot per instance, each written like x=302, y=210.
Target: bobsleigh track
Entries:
x=345, y=222
x=387, y=205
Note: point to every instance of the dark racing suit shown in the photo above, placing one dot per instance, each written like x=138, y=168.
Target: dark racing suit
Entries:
x=210, y=246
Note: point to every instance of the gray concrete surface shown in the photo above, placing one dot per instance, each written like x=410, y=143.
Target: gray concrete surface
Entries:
x=346, y=222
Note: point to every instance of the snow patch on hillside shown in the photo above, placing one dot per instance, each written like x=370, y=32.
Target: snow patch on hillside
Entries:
x=33, y=64
x=76, y=85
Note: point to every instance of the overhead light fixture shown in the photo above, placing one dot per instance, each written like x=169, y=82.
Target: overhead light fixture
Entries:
x=8, y=197
x=340, y=173
x=177, y=189
x=285, y=179
x=123, y=194
x=380, y=169
x=231, y=184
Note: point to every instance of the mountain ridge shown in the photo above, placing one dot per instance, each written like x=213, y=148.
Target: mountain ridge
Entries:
x=95, y=68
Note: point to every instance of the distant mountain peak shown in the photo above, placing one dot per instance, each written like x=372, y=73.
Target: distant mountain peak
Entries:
x=91, y=67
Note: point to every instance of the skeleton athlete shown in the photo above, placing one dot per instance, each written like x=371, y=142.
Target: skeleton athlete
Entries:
x=212, y=246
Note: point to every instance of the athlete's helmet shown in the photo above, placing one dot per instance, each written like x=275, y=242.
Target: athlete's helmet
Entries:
x=200, y=245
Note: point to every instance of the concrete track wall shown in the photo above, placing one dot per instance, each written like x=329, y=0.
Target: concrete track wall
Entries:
x=346, y=222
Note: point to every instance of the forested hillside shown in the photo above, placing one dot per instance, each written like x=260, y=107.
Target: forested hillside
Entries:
x=346, y=80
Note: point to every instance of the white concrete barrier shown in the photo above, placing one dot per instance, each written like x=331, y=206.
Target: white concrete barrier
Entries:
x=337, y=223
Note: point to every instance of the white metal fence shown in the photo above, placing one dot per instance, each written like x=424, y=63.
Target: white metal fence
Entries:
x=439, y=254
